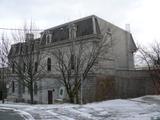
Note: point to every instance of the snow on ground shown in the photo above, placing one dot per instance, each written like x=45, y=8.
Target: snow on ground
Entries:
x=143, y=108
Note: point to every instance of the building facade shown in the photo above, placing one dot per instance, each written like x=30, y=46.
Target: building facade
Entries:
x=103, y=84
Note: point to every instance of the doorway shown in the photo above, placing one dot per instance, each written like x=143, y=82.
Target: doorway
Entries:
x=50, y=97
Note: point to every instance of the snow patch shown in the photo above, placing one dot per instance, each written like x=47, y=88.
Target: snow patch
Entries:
x=143, y=108
x=24, y=114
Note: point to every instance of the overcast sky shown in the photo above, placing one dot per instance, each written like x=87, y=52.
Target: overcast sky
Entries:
x=142, y=15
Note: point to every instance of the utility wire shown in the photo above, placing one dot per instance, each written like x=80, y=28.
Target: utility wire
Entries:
x=20, y=29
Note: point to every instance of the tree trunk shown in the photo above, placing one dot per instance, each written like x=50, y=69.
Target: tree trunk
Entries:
x=32, y=97
x=31, y=93
x=71, y=97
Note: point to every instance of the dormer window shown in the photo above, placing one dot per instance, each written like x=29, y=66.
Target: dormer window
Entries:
x=48, y=38
x=73, y=29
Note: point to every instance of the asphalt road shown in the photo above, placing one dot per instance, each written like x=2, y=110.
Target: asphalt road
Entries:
x=9, y=115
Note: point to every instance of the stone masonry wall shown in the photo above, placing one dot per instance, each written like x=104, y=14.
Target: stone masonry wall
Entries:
x=133, y=83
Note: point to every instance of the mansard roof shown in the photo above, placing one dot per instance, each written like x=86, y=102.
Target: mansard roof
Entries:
x=87, y=26
x=84, y=26
x=23, y=47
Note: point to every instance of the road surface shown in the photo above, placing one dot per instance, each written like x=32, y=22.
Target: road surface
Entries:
x=6, y=114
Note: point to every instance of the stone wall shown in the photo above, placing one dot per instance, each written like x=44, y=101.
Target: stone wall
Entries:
x=133, y=83
x=124, y=84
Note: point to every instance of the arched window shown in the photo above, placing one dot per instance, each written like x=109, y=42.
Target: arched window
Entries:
x=49, y=64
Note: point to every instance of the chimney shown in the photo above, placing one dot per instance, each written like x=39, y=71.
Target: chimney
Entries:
x=29, y=36
x=127, y=27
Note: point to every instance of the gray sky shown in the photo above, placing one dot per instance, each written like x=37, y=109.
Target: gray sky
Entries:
x=142, y=15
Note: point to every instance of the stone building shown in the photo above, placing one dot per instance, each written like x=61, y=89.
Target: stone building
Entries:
x=112, y=76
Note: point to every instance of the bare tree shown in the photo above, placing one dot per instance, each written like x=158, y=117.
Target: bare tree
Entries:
x=151, y=56
x=4, y=50
x=26, y=62
x=75, y=62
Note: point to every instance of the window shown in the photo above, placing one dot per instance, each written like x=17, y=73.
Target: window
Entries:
x=49, y=64
x=13, y=87
x=61, y=92
x=13, y=68
x=24, y=67
x=35, y=88
x=72, y=61
x=36, y=67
